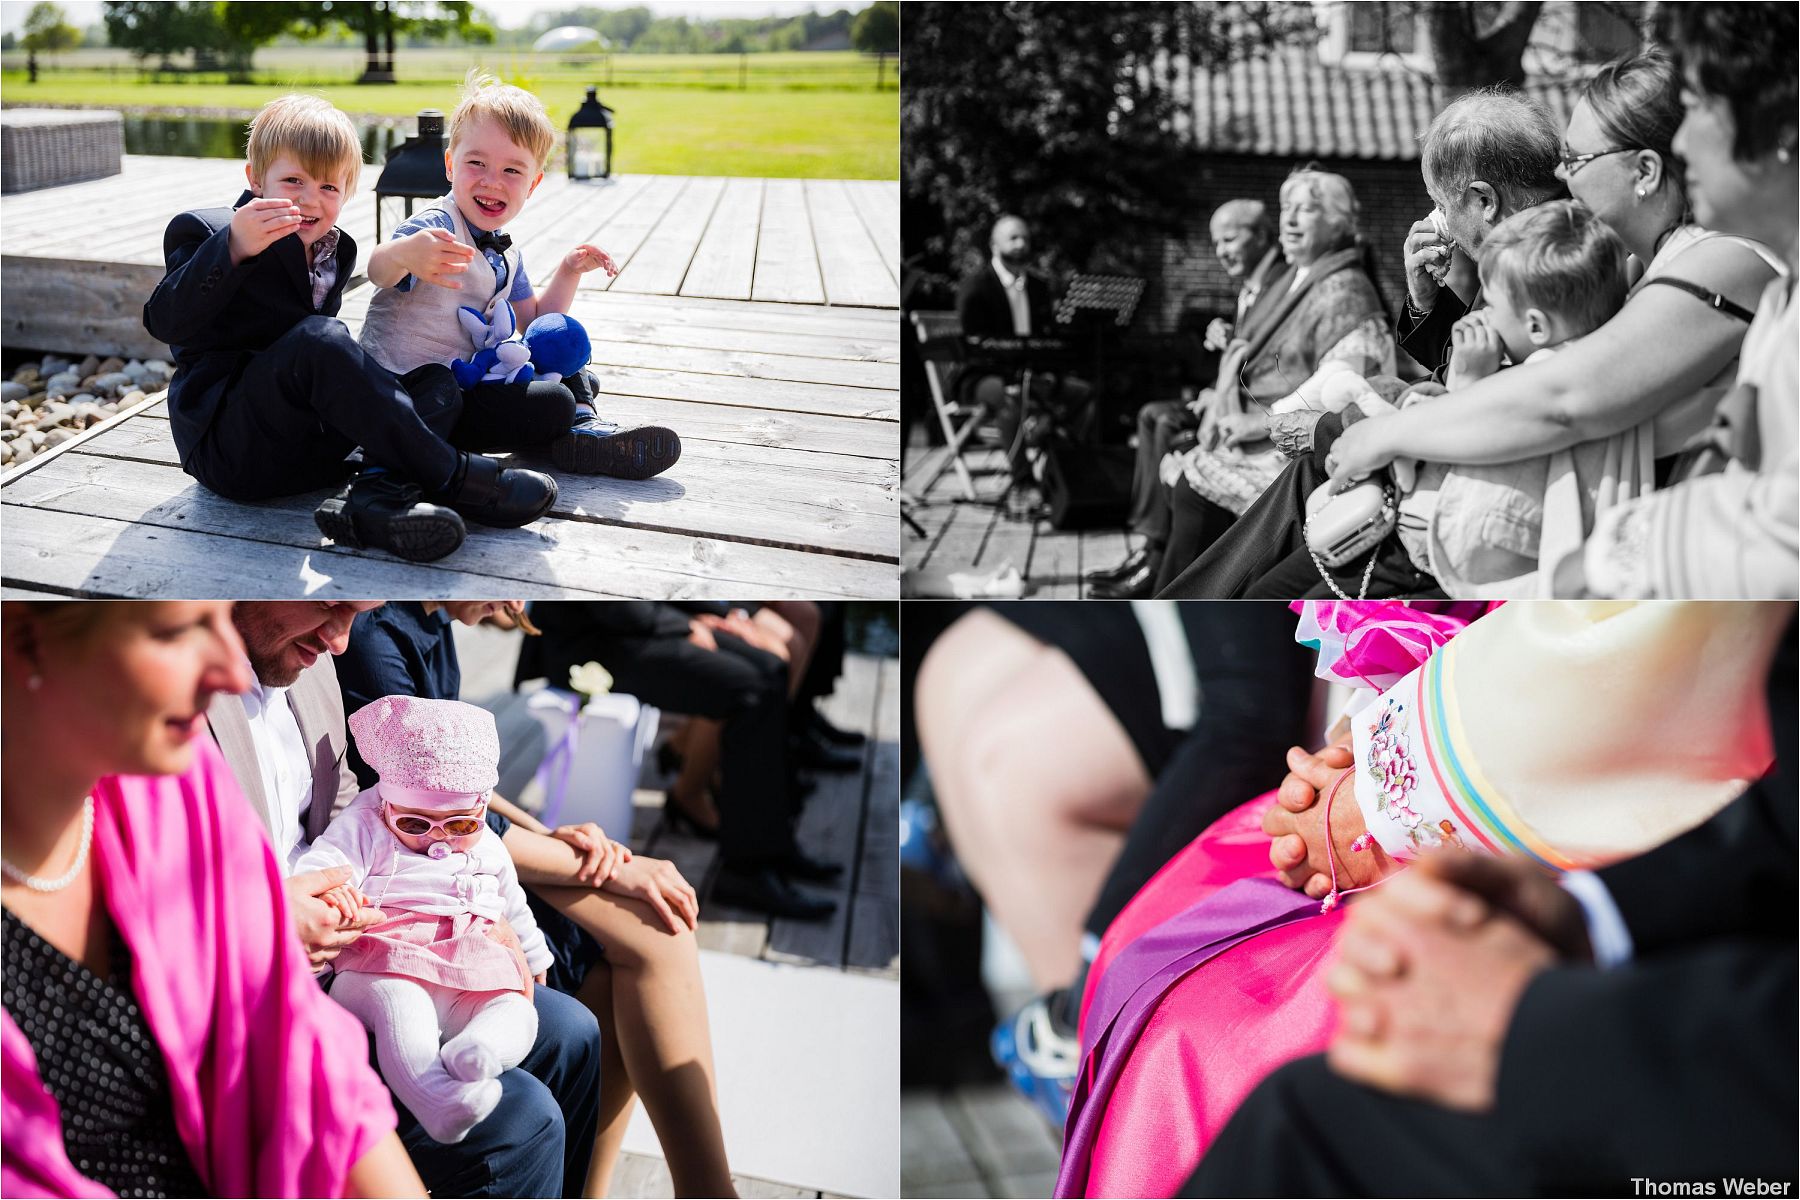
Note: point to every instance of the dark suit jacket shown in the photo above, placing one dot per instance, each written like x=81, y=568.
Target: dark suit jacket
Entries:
x=216, y=317
x=1679, y=1065
x=982, y=308
x=1427, y=338
x=319, y=711
x=582, y=631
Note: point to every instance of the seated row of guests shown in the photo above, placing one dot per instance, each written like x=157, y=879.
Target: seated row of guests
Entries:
x=1620, y=465
x=158, y=926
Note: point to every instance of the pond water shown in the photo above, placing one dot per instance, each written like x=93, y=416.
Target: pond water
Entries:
x=224, y=137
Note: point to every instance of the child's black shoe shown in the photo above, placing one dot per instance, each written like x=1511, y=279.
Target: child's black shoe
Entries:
x=597, y=447
x=506, y=498
x=375, y=510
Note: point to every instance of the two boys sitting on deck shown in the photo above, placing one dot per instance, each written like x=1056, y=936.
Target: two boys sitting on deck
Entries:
x=272, y=393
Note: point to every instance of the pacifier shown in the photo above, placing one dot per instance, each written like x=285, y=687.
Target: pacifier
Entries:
x=439, y=850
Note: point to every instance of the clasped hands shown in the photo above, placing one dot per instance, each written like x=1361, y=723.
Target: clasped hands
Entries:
x=1431, y=966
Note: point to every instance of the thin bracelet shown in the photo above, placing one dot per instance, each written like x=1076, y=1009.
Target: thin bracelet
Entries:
x=1362, y=842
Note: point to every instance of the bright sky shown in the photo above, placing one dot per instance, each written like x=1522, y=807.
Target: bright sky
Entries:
x=513, y=13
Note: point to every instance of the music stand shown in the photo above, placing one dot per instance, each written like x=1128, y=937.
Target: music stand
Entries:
x=1100, y=305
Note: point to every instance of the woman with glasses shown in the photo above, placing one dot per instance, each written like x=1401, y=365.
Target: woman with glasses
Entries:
x=1661, y=366
x=162, y=1033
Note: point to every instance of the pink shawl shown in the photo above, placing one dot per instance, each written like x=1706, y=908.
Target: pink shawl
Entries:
x=272, y=1089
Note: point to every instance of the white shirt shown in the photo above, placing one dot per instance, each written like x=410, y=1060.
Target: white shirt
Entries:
x=1015, y=298
x=285, y=765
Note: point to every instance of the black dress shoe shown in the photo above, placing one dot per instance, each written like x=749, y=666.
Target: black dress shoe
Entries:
x=815, y=721
x=1129, y=567
x=504, y=497
x=376, y=510
x=1136, y=586
x=765, y=889
x=796, y=864
x=810, y=749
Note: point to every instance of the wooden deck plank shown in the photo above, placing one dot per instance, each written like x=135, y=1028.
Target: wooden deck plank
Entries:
x=788, y=368
x=853, y=269
x=791, y=498
x=752, y=393
x=787, y=262
x=661, y=263
x=725, y=263
x=879, y=209
x=549, y=557
x=633, y=224
x=552, y=224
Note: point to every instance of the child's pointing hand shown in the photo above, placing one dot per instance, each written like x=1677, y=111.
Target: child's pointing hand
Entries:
x=435, y=256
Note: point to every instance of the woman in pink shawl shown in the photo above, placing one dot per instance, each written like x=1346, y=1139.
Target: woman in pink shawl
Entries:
x=162, y=1032
x=1564, y=732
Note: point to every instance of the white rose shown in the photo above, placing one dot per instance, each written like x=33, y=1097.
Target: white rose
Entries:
x=590, y=679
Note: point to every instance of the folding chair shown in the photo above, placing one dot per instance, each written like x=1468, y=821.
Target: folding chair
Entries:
x=940, y=340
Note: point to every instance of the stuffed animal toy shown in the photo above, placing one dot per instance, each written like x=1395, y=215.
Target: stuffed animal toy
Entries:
x=559, y=346
x=500, y=354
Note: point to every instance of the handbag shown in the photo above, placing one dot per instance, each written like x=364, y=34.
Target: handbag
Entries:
x=1341, y=526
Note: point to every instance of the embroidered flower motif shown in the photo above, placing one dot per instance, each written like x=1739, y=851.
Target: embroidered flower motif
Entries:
x=1392, y=767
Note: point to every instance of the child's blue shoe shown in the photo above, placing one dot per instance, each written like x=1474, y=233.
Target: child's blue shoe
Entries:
x=1039, y=1061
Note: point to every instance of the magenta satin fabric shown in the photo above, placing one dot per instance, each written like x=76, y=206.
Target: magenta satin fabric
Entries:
x=270, y=1080
x=1205, y=983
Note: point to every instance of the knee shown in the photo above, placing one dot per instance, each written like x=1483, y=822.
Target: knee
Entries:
x=657, y=952
x=530, y=1126
x=318, y=333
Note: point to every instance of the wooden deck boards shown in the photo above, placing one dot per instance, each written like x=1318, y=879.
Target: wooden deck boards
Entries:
x=787, y=405
x=979, y=538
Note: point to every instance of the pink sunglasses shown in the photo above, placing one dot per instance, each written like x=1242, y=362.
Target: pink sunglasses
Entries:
x=414, y=825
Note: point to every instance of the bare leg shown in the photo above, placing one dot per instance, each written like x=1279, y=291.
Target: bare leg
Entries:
x=616, y=1092
x=657, y=1011
x=1036, y=779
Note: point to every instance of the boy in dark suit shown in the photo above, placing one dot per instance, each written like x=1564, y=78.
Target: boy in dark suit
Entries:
x=271, y=392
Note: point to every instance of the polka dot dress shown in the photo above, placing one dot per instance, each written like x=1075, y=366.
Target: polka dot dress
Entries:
x=98, y=1060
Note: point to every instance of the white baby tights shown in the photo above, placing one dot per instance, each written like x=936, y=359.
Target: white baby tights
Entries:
x=450, y=1087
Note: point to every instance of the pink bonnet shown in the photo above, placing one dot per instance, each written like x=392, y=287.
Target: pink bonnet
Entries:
x=421, y=747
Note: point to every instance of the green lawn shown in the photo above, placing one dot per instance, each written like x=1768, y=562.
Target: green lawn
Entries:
x=670, y=120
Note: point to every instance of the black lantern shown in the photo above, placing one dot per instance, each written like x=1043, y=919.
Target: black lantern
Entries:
x=590, y=140
x=414, y=171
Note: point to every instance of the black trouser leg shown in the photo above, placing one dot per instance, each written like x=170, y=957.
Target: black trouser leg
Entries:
x=499, y=417
x=1195, y=523
x=1159, y=423
x=744, y=687
x=1306, y=1131
x=1255, y=543
x=307, y=401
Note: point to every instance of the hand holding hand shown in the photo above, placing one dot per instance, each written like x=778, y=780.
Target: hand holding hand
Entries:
x=261, y=223
x=1426, y=256
x=1475, y=348
x=1425, y=1004
x=320, y=925
x=601, y=857
x=435, y=256
x=700, y=634
x=1299, y=852
x=585, y=258
x=659, y=884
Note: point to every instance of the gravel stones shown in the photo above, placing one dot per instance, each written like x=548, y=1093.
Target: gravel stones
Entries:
x=51, y=401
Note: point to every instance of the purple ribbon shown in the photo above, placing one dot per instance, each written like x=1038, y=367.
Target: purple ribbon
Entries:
x=560, y=760
x=1137, y=980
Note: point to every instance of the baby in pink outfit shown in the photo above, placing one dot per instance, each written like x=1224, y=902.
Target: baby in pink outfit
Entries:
x=444, y=983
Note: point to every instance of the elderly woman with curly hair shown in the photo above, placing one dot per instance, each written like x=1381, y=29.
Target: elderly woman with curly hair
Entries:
x=1326, y=310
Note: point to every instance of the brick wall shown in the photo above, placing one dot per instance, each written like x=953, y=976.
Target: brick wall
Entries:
x=1392, y=198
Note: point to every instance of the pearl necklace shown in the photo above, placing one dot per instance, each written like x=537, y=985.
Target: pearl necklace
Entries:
x=37, y=883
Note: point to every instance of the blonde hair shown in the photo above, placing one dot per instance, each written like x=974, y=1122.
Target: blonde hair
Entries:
x=514, y=109
x=1559, y=257
x=314, y=131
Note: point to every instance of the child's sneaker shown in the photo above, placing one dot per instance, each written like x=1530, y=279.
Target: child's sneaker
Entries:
x=597, y=447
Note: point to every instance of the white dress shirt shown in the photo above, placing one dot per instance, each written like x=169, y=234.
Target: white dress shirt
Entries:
x=285, y=765
x=1015, y=298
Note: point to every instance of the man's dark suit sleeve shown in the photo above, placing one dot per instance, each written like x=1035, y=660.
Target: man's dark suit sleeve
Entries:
x=200, y=282
x=1427, y=338
x=1690, y=1048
